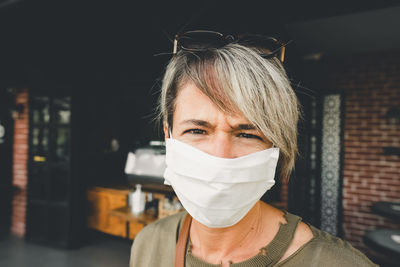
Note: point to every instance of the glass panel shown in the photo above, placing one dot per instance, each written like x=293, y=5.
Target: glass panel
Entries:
x=44, y=142
x=62, y=143
x=36, y=116
x=64, y=116
x=62, y=108
x=46, y=115
x=45, y=139
x=40, y=141
x=40, y=110
x=35, y=136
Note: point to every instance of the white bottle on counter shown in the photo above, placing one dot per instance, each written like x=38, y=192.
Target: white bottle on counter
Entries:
x=138, y=200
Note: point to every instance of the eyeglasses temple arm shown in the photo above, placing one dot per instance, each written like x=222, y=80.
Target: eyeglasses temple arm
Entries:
x=283, y=53
x=175, y=44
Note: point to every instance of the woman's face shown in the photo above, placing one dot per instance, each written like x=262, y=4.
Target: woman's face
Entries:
x=197, y=121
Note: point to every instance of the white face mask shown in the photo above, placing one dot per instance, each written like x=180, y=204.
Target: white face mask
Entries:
x=218, y=192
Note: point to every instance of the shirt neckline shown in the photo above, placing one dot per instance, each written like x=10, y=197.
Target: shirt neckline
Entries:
x=267, y=255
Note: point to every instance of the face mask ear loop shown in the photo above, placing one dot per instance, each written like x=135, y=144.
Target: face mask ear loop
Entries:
x=169, y=132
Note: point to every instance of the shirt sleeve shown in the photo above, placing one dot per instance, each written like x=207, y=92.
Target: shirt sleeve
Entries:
x=328, y=251
x=155, y=243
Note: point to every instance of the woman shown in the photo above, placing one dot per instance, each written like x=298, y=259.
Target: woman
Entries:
x=229, y=116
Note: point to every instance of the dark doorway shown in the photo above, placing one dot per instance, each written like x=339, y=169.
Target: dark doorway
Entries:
x=305, y=183
x=6, y=144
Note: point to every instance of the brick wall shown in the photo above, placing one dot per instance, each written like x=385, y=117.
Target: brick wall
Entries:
x=371, y=83
x=20, y=159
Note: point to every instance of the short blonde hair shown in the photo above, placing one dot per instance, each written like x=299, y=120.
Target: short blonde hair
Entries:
x=236, y=78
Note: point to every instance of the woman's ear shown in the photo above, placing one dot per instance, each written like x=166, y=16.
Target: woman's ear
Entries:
x=166, y=134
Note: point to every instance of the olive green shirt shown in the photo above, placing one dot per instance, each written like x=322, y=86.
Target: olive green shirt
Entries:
x=154, y=246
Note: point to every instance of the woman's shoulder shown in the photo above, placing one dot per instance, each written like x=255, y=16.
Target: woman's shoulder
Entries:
x=325, y=249
x=155, y=244
x=167, y=224
x=335, y=244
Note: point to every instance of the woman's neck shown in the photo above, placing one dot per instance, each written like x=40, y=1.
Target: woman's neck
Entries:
x=235, y=242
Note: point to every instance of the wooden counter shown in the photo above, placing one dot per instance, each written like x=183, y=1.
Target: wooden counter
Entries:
x=109, y=211
x=101, y=201
x=134, y=223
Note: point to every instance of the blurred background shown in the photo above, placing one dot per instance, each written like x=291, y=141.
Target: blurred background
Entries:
x=79, y=84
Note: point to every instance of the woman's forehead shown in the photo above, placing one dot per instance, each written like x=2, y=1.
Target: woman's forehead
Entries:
x=211, y=81
x=194, y=106
x=212, y=91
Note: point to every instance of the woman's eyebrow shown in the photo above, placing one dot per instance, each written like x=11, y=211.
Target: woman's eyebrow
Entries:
x=197, y=123
x=206, y=124
x=244, y=127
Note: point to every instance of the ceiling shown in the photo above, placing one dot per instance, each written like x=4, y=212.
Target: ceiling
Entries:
x=77, y=38
x=372, y=30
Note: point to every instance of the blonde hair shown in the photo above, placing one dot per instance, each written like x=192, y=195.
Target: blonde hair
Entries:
x=236, y=78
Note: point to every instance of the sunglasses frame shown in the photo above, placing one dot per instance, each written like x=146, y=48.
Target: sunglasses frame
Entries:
x=232, y=39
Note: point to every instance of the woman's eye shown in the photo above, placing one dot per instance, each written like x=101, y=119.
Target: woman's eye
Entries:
x=250, y=136
x=195, y=131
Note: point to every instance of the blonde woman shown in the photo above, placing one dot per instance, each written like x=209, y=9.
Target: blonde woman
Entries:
x=229, y=116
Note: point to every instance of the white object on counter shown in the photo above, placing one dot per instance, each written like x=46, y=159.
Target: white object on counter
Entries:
x=396, y=238
x=145, y=162
x=137, y=200
x=130, y=162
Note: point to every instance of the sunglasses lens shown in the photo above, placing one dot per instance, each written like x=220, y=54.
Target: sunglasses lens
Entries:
x=201, y=40
x=267, y=45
